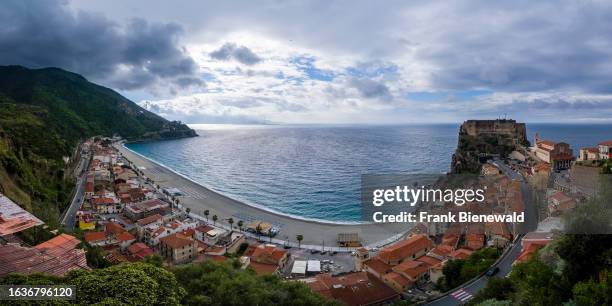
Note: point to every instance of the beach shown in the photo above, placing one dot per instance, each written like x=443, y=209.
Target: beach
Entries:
x=315, y=233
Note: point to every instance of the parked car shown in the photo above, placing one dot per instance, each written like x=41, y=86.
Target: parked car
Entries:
x=492, y=271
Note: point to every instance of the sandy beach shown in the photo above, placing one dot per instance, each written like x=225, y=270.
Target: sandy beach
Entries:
x=316, y=233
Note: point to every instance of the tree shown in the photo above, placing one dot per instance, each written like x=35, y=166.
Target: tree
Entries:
x=215, y=218
x=258, y=231
x=206, y=213
x=497, y=288
x=95, y=258
x=125, y=284
x=188, y=210
x=270, y=235
x=231, y=223
x=210, y=283
x=537, y=284
x=299, y=238
x=593, y=292
x=240, y=224
x=154, y=259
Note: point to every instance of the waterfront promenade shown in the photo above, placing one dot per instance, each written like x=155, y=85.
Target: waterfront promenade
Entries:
x=315, y=233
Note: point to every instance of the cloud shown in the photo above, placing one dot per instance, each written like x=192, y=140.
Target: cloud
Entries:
x=241, y=54
x=138, y=54
x=370, y=88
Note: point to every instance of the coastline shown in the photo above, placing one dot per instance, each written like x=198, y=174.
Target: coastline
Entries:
x=315, y=232
x=244, y=202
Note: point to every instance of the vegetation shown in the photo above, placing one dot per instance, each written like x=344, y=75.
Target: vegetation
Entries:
x=211, y=283
x=126, y=284
x=44, y=114
x=207, y=283
x=457, y=272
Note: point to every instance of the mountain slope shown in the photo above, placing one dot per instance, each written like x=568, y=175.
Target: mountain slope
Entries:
x=44, y=113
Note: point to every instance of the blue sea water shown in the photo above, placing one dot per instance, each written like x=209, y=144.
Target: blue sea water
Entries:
x=315, y=171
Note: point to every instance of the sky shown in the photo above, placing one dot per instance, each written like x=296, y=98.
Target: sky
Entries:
x=372, y=62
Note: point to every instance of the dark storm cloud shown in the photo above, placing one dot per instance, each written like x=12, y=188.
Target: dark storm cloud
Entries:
x=370, y=88
x=139, y=54
x=241, y=54
x=524, y=47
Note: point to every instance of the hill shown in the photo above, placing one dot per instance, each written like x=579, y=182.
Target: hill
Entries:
x=44, y=114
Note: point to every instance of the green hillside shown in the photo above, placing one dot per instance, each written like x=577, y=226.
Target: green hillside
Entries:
x=44, y=114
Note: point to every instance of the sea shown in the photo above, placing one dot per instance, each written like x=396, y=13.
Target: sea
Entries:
x=314, y=171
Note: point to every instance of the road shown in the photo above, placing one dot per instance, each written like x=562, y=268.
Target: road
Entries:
x=68, y=220
x=468, y=290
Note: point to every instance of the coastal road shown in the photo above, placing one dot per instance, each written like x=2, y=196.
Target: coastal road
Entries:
x=68, y=219
x=468, y=290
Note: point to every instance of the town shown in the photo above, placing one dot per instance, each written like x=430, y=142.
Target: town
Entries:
x=128, y=217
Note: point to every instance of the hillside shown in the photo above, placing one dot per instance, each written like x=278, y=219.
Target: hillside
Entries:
x=44, y=114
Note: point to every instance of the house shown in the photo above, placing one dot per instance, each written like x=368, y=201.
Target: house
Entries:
x=474, y=241
x=589, y=154
x=139, y=210
x=411, y=248
x=106, y=205
x=200, y=231
x=178, y=248
x=139, y=251
x=266, y=258
x=434, y=265
x=557, y=154
x=13, y=218
x=498, y=234
x=460, y=253
x=414, y=270
x=96, y=238
x=559, y=202
x=397, y=281
x=376, y=267
x=354, y=289
x=605, y=149
x=531, y=243
x=56, y=256
x=87, y=221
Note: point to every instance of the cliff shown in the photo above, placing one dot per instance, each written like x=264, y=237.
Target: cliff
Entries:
x=44, y=114
x=480, y=140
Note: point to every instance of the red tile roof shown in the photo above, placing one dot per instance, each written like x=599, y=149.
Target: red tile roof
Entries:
x=405, y=248
x=56, y=257
x=125, y=236
x=356, y=288
x=148, y=220
x=176, y=241
x=94, y=236
x=460, y=254
x=263, y=268
x=411, y=268
x=606, y=143
x=377, y=266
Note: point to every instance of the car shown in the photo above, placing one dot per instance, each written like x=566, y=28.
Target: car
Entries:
x=314, y=251
x=492, y=271
x=334, y=253
x=286, y=247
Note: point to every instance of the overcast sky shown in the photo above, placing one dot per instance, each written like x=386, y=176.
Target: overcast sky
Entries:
x=329, y=61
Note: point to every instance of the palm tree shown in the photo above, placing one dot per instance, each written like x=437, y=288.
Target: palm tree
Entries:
x=188, y=210
x=206, y=213
x=270, y=235
x=240, y=224
x=231, y=223
x=258, y=230
x=215, y=218
x=299, y=238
